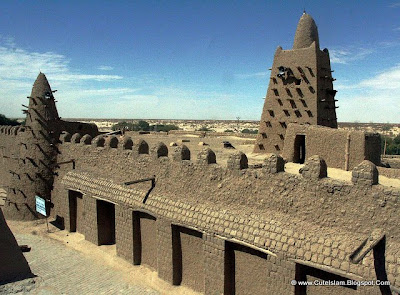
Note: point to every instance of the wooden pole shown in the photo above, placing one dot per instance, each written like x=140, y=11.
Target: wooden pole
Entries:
x=384, y=148
x=347, y=153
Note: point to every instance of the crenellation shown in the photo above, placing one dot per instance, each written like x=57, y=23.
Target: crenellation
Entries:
x=140, y=147
x=365, y=173
x=99, y=141
x=14, y=130
x=314, y=168
x=127, y=143
x=206, y=157
x=86, y=140
x=237, y=161
x=181, y=153
x=274, y=164
x=159, y=150
x=65, y=137
x=76, y=138
x=111, y=141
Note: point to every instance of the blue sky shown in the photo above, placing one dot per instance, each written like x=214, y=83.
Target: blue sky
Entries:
x=192, y=59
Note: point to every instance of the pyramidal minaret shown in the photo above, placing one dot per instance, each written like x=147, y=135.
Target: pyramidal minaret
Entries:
x=38, y=153
x=300, y=89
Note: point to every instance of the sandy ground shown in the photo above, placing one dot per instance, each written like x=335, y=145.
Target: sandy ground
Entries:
x=106, y=255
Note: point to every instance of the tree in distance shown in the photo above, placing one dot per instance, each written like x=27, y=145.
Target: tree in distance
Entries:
x=204, y=128
x=250, y=131
x=6, y=121
x=392, y=145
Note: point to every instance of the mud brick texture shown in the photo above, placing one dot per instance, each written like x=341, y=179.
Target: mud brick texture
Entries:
x=124, y=232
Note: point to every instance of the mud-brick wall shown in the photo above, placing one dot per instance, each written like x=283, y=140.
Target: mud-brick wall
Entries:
x=283, y=213
x=214, y=261
x=79, y=127
x=210, y=250
x=389, y=172
x=333, y=145
x=9, y=154
x=194, y=258
x=124, y=232
x=251, y=190
x=164, y=250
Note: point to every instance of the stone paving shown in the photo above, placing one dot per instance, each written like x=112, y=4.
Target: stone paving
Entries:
x=62, y=270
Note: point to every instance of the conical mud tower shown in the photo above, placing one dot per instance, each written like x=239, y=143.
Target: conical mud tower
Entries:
x=300, y=89
x=38, y=153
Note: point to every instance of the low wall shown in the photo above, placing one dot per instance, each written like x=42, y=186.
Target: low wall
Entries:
x=389, y=172
x=9, y=153
x=213, y=134
x=82, y=128
x=339, y=148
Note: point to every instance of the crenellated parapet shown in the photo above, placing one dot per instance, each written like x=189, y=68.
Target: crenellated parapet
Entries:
x=10, y=130
x=314, y=167
x=265, y=186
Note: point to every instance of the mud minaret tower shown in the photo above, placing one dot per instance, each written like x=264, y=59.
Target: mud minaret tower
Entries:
x=38, y=153
x=300, y=89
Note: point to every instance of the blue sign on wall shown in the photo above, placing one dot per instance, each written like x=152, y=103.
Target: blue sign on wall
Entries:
x=40, y=205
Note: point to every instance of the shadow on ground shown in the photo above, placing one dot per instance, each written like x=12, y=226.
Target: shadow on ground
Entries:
x=13, y=266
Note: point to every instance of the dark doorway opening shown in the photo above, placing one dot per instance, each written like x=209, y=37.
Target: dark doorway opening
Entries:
x=75, y=211
x=310, y=274
x=106, y=222
x=299, y=149
x=144, y=239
